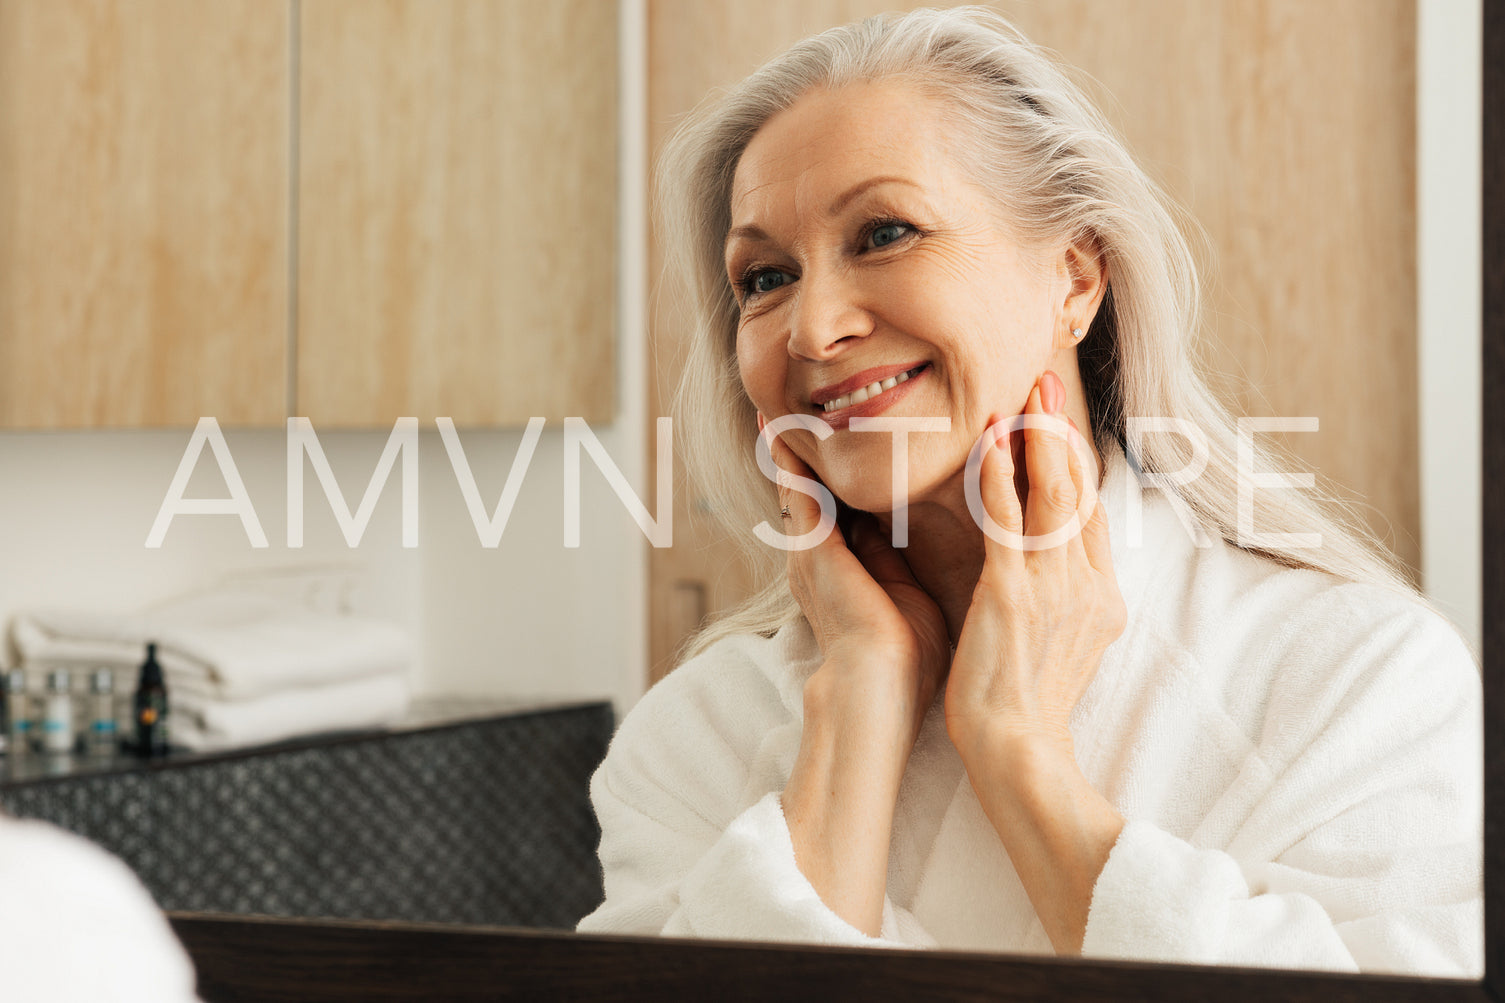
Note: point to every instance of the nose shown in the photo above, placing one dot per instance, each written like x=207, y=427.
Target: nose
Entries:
x=827, y=317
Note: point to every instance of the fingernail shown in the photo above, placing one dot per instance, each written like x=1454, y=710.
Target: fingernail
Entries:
x=1052, y=392
x=1003, y=446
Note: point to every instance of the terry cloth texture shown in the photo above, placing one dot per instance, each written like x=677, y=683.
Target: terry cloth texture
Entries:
x=1299, y=761
x=76, y=924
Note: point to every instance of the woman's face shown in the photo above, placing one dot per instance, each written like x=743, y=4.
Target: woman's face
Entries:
x=859, y=251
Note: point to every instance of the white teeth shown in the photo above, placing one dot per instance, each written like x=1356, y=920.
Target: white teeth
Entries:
x=863, y=394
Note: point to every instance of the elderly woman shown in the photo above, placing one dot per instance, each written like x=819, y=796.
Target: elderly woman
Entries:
x=1011, y=700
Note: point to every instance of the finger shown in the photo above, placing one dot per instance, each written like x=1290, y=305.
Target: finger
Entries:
x=1052, y=499
x=864, y=538
x=1000, y=499
x=1095, y=540
x=807, y=508
x=798, y=510
x=786, y=465
x=876, y=552
x=1076, y=545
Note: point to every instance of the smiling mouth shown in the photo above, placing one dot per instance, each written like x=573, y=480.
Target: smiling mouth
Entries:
x=863, y=394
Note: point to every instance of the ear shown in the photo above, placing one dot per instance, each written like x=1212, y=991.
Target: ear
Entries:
x=1083, y=267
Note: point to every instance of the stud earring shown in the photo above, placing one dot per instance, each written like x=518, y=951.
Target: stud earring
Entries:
x=1076, y=334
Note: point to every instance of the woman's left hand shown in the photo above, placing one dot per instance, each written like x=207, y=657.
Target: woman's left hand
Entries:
x=1039, y=619
x=1030, y=646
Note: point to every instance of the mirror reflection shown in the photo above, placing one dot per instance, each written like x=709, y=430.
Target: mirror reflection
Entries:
x=934, y=723
x=1101, y=694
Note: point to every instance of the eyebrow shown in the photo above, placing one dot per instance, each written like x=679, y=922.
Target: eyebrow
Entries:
x=751, y=232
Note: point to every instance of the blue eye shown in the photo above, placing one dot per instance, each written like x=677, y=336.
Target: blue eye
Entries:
x=764, y=280
x=886, y=233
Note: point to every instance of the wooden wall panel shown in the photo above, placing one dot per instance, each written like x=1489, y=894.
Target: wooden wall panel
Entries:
x=143, y=212
x=1287, y=129
x=457, y=207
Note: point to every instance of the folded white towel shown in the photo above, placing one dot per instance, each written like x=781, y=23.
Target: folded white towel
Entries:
x=229, y=643
x=208, y=725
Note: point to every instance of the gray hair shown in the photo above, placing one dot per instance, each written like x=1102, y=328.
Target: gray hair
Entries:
x=1058, y=170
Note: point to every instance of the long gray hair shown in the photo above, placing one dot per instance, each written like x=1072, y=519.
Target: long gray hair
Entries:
x=1058, y=171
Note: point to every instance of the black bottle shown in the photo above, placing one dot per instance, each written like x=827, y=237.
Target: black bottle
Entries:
x=151, y=708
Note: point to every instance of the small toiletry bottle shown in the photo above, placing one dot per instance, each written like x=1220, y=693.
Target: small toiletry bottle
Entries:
x=151, y=708
x=101, y=736
x=58, y=735
x=17, y=713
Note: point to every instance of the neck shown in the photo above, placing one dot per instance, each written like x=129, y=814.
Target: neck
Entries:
x=947, y=547
x=945, y=553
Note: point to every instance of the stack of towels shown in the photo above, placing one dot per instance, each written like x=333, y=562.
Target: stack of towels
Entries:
x=242, y=667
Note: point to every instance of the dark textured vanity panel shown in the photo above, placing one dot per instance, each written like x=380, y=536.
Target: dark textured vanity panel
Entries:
x=486, y=821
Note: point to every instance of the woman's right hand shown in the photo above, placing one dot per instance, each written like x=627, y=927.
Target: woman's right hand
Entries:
x=880, y=633
x=884, y=652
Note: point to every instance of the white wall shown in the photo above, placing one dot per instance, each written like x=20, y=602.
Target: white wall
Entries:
x=76, y=508
x=531, y=616
x=1449, y=76
x=528, y=618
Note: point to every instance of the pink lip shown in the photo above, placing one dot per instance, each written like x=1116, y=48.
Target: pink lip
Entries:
x=868, y=376
x=841, y=419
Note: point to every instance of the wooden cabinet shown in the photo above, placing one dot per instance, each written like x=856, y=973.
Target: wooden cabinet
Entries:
x=143, y=212
x=456, y=210
x=384, y=209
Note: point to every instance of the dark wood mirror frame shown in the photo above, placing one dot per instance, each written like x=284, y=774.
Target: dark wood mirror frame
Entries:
x=268, y=959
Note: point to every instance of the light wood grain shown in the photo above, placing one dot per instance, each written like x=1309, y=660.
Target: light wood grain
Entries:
x=457, y=193
x=1287, y=129
x=143, y=212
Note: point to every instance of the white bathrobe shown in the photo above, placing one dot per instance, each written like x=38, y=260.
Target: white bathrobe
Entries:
x=76, y=926
x=1299, y=761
